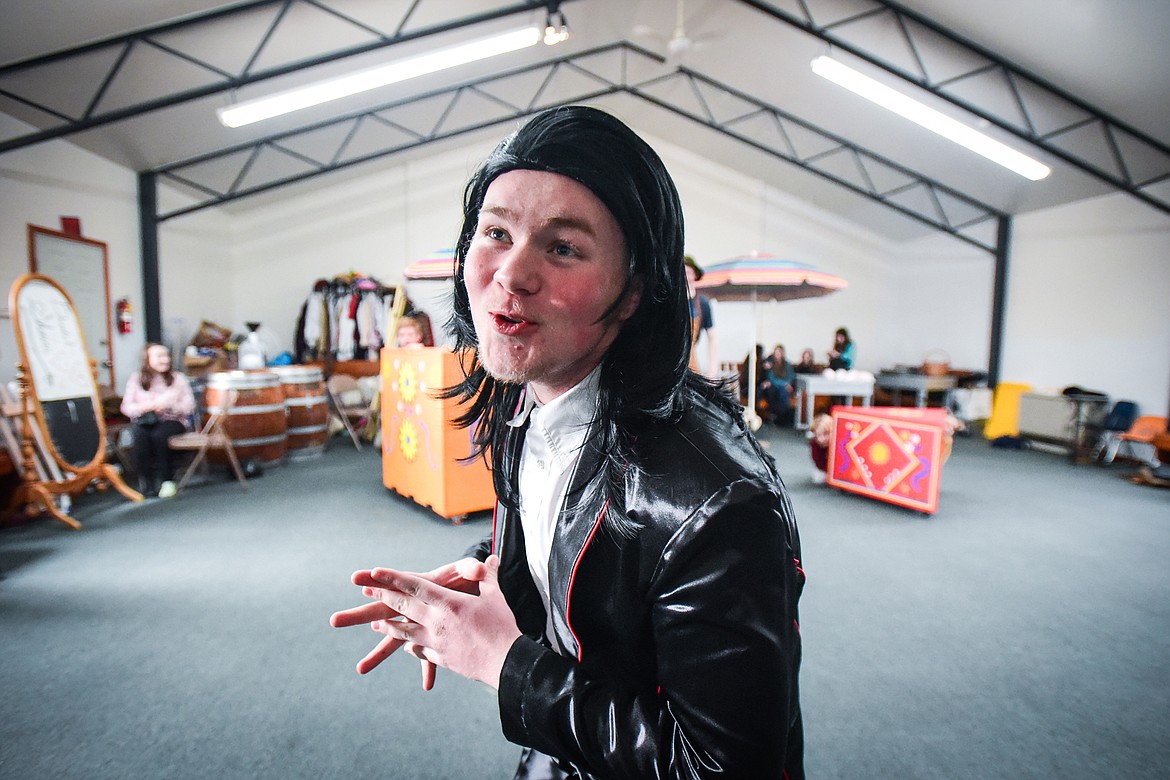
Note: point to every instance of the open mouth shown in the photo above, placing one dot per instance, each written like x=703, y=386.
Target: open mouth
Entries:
x=509, y=325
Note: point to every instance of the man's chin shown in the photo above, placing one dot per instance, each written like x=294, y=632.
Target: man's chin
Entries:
x=510, y=371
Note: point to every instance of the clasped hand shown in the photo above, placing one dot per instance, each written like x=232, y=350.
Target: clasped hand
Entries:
x=455, y=617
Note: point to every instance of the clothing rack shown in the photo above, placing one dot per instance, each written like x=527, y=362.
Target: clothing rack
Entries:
x=344, y=318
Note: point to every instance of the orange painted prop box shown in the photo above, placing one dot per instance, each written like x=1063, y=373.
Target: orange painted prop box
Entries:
x=892, y=454
x=421, y=447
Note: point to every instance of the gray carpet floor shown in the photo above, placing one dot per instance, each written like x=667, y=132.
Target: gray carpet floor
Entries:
x=1022, y=632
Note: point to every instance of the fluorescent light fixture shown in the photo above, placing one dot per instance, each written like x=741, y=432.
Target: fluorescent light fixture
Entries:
x=927, y=117
x=249, y=111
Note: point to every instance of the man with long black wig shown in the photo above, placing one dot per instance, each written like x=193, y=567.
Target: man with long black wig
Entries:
x=635, y=605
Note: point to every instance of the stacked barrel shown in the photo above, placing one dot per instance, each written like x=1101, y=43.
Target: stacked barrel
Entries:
x=277, y=413
x=306, y=410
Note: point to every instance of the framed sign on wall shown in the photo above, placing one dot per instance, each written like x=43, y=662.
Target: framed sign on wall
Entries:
x=81, y=267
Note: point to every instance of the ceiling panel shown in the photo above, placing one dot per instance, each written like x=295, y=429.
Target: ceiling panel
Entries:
x=1105, y=52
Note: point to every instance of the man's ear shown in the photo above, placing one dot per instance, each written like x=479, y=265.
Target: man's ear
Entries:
x=633, y=299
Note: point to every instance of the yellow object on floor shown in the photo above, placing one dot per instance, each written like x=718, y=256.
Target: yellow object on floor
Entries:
x=1005, y=410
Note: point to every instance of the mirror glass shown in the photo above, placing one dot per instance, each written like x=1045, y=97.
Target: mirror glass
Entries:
x=79, y=265
x=62, y=393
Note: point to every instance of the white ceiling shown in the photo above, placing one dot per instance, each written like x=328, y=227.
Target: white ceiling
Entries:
x=1108, y=53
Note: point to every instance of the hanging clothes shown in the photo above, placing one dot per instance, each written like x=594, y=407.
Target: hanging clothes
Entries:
x=343, y=319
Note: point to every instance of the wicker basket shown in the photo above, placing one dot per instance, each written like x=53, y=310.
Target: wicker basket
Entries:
x=936, y=363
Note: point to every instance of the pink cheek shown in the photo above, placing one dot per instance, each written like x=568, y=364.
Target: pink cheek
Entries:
x=474, y=284
x=477, y=277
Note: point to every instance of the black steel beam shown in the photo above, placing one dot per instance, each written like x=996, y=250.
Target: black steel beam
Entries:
x=934, y=214
x=999, y=299
x=121, y=45
x=148, y=244
x=175, y=172
x=1129, y=159
x=936, y=217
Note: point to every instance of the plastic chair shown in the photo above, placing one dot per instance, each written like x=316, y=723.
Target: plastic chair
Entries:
x=347, y=403
x=1117, y=422
x=213, y=436
x=1138, y=442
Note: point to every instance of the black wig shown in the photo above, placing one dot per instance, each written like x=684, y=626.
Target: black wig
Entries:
x=644, y=373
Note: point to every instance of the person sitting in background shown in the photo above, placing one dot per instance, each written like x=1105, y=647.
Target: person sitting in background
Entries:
x=952, y=426
x=410, y=332
x=763, y=409
x=159, y=402
x=819, y=434
x=807, y=364
x=777, y=385
x=842, y=353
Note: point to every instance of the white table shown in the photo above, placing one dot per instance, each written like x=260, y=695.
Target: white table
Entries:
x=921, y=384
x=809, y=386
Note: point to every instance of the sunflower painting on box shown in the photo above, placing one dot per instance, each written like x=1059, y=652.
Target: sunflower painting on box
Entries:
x=423, y=453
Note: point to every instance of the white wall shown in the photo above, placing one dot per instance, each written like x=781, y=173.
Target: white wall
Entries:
x=373, y=225
x=943, y=291
x=39, y=185
x=196, y=279
x=1089, y=300
x=1086, y=301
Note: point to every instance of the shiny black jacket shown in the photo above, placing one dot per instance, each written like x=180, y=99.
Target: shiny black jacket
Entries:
x=680, y=646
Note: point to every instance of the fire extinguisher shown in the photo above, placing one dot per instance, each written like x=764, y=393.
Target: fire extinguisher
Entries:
x=125, y=315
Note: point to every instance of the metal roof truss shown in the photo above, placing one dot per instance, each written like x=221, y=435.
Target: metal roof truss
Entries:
x=965, y=74
x=268, y=163
x=133, y=74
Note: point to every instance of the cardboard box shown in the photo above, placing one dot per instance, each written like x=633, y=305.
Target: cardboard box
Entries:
x=198, y=366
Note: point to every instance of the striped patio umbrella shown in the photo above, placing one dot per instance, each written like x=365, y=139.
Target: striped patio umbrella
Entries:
x=763, y=277
x=439, y=264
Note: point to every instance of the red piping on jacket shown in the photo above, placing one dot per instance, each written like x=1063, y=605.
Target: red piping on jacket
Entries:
x=495, y=511
x=573, y=578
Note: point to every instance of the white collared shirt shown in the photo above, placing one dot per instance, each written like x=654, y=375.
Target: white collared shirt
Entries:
x=556, y=433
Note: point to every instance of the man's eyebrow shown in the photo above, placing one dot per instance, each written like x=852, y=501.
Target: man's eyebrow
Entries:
x=573, y=223
x=499, y=211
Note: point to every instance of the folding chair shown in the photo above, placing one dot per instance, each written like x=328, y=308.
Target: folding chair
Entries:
x=347, y=404
x=1138, y=442
x=213, y=436
x=1117, y=422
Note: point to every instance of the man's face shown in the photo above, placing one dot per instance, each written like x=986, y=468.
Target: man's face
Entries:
x=546, y=261
x=690, y=280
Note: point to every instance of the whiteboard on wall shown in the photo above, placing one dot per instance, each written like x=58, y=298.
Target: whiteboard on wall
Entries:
x=81, y=267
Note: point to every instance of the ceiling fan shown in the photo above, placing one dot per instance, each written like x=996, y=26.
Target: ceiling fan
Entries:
x=680, y=42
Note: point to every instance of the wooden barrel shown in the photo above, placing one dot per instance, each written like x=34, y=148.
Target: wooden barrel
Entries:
x=256, y=422
x=307, y=412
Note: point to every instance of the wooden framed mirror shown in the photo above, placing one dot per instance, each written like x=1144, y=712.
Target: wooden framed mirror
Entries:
x=59, y=394
x=81, y=266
